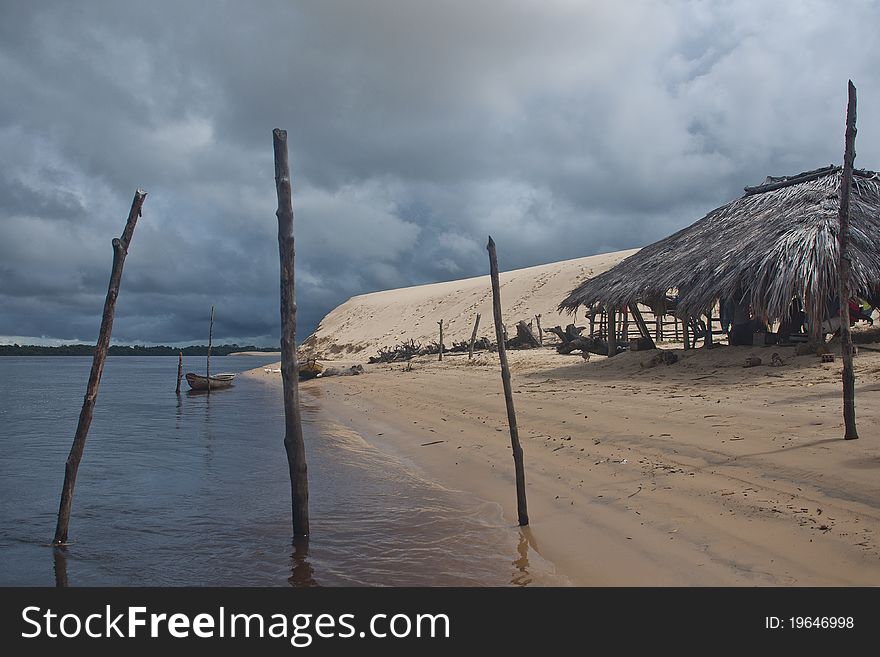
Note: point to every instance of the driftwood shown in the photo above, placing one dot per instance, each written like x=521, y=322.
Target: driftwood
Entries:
x=516, y=448
x=524, y=338
x=293, y=435
x=844, y=269
x=120, y=251
x=571, y=340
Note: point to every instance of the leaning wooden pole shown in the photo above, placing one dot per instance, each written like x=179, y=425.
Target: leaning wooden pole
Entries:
x=210, y=337
x=120, y=251
x=293, y=435
x=844, y=268
x=521, y=510
x=473, y=337
x=179, y=371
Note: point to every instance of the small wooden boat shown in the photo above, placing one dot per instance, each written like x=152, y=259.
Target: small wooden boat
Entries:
x=199, y=382
x=310, y=370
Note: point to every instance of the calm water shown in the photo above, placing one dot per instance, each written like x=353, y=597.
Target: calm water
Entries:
x=194, y=490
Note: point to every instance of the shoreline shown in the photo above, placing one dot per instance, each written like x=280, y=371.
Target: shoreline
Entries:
x=688, y=474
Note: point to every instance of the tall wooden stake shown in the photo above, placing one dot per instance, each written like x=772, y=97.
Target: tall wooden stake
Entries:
x=473, y=337
x=521, y=510
x=179, y=371
x=540, y=332
x=707, y=341
x=120, y=250
x=441, y=339
x=293, y=436
x=844, y=267
x=210, y=336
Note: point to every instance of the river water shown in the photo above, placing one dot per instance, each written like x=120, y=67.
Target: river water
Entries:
x=193, y=490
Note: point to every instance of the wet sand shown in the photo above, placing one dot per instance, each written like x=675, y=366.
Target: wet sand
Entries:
x=698, y=473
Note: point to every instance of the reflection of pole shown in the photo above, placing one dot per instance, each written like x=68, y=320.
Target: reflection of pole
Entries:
x=120, y=250
x=293, y=435
x=844, y=267
x=522, y=512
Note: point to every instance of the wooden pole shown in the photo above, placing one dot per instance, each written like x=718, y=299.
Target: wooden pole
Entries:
x=624, y=329
x=521, y=509
x=612, y=331
x=120, y=251
x=685, y=335
x=844, y=268
x=179, y=371
x=473, y=337
x=441, y=340
x=293, y=435
x=210, y=336
x=707, y=341
x=540, y=332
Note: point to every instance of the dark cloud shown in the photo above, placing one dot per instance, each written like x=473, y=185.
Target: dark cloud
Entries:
x=416, y=129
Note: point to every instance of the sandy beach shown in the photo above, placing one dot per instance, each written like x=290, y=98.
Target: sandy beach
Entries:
x=701, y=472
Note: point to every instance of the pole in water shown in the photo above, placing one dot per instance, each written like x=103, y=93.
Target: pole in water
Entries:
x=521, y=509
x=120, y=251
x=293, y=435
x=179, y=371
x=208, y=364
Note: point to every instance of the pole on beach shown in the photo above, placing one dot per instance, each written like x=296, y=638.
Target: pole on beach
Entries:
x=293, y=435
x=179, y=371
x=540, y=332
x=210, y=336
x=844, y=268
x=120, y=251
x=441, y=339
x=473, y=337
x=521, y=510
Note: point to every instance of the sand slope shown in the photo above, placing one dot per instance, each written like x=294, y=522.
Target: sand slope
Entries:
x=363, y=324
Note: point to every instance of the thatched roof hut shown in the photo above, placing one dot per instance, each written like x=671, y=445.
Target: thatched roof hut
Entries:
x=778, y=241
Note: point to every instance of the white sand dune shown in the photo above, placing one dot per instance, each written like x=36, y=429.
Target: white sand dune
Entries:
x=365, y=323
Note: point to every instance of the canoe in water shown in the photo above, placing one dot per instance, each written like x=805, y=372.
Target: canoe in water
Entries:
x=199, y=382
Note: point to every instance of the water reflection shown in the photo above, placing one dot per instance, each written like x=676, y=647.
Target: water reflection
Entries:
x=521, y=575
x=302, y=574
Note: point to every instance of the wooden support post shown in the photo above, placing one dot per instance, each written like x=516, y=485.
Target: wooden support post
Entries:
x=293, y=435
x=658, y=328
x=640, y=322
x=675, y=324
x=210, y=337
x=441, y=339
x=540, y=332
x=522, y=512
x=707, y=341
x=624, y=329
x=120, y=251
x=685, y=333
x=612, y=331
x=473, y=337
x=179, y=371
x=845, y=292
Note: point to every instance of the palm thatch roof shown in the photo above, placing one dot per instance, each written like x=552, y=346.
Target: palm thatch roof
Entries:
x=777, y=241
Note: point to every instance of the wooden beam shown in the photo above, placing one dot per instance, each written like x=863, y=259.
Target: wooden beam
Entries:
x=521, y=509
x=293, y=436
x=640, y=322
x=120, y=251
x=844, y=269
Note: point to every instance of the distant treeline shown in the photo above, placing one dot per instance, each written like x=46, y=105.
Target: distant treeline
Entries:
x=118, y=350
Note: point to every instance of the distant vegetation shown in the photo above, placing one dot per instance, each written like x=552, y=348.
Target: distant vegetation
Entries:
x=118, y=350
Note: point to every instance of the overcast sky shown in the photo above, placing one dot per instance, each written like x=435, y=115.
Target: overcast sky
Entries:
x=416, y=129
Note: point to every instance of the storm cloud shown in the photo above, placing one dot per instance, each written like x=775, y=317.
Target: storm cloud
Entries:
x=415, y=129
